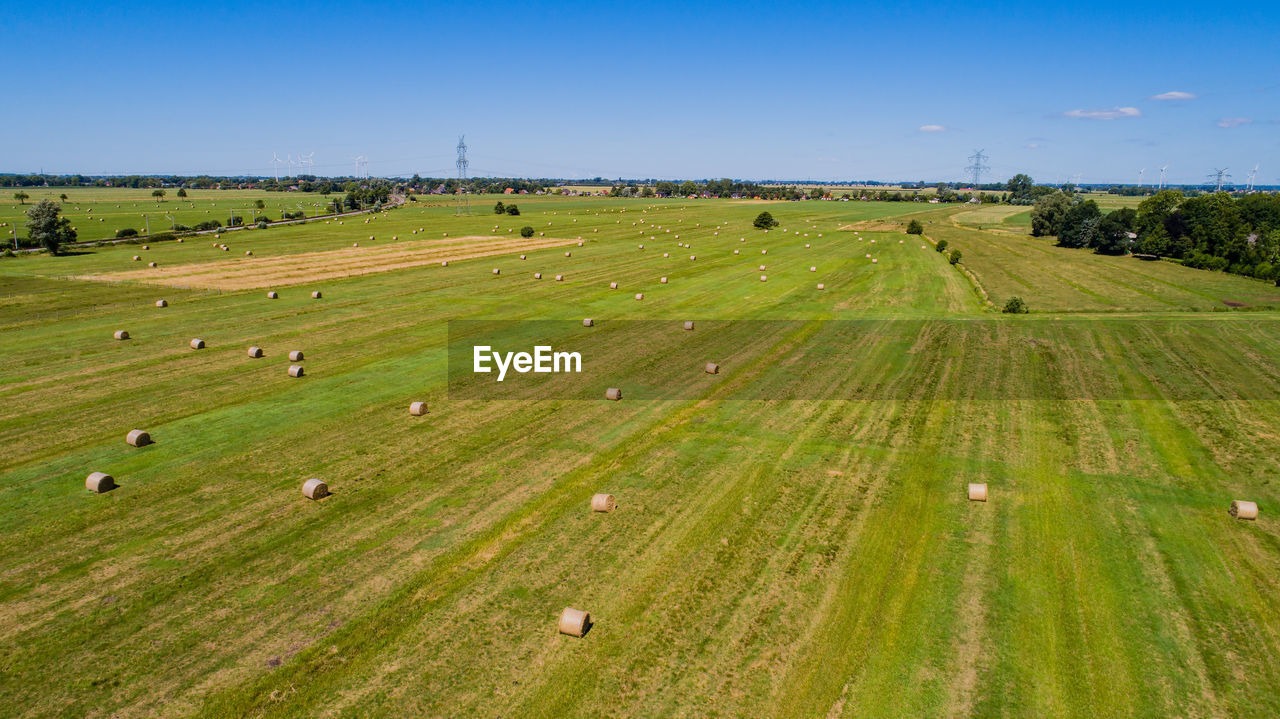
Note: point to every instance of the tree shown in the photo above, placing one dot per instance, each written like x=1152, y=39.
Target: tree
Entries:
x=182, y=192
x=764, y=221
x=259, y=204
x=1049, y=212
x=47, y=228
x=513, y=210
x=955, y=257
x=499, y=209
x=941, y=246
x=526, y=231
x=21, y=197
x=1080, y=226
x=1019, y=187
x=688, y=187
x=1015, y=306
x=62, y=197
x=158, y=194
x=915, y=228
x=126, y=232
x=1114, y=231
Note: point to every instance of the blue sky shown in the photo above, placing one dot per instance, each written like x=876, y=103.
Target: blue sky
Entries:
x=747, y=90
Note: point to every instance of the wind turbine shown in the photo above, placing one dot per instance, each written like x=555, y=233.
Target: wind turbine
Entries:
x=1249, y=187
x=275, y=162
x=361, y=162
x=1162, y=171
x=1141, y=172
x=308, y=161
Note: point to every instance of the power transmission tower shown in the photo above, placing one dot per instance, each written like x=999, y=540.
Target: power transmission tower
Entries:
x=977, y=166
x=464, y=203
x=1219, y=176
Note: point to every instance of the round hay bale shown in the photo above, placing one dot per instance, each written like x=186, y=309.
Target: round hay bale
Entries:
x=151, y=264
x=99, y=482
x=603, y=503
x=248, y=253
x=613, y=285
x=868, y=255
x=316, y=295
x=371, y=238
x=764, y=252
x=688, y=325
x=197, y=344
x=122, y=334
x=812, y=268
x=146, y=247
x=613, y=393
x=355, y=244
x=693, y=257
x=444, y=263
x=579, y=244
x=821, y=286
x=522, y=257
x=588, y=322
x=639, y=295
x=417, y=409
x=735, y=252
x=273, y=295
x=762, y=268
x=641, y=246
x=138, y=438
x=1241, y=509
x=162, y=303
x=712, y=368
x=537, y=275
x=977, y=492
x=559, y=278
x=179, y=240
x=663, y=280
x=806, y=245
x=497, y=271
x=568, y=254
x=874, y=261
x=295, y=370
x=315, y=489
x=136, y=258
x=255, y=352
x=295, y=356
x=574, y=622
x=666, y=254
x=764, y=278
x=226, y=249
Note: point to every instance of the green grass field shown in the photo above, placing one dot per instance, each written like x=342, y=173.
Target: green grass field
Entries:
x=810, y=556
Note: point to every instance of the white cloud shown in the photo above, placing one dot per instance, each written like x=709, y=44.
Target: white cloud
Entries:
x=1112, y=114
x=932, y=128
x=1173, y=95
x=1234, y=121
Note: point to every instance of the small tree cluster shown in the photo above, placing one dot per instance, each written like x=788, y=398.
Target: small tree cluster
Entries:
x=499, y=209
x=526, y=231
x=915, y=228
x=764, y=221
x=1015, y=306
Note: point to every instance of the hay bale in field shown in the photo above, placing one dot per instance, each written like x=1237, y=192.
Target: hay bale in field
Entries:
x=179, y=240
x=522, y=257
x=537, y=275
x=712, y=368
x=613, y=285
x=197, y=344
x=315, y=489
x=588, y=322
x=444, y=263
x=136, y=258
x=764, y=252
x=146, y=247
x=417, y=409
x=226, y=249
x=977, y=492
x=1241, y=509
x=568, y=254
x=296, y=370
x=641, y=247
x=603, y=503
x=735, y=252
x=151, y=264
x=248, y=253
x=688, y=325
x=99, y=482
x=762, y=268
x=138, y=438
x=255, y=352
x=273, y=295
x=559, y=278
x=639, y=295
x=122, y=334
x=693, y=257
x=355, y=244
x=666, y=254
x=317, y=295
x=613, y=393
x=497, y=271
x=663, y=280
x=579, y=244
x=821, y=286
x=806, y=245
x=295, y=356
x=874, y=261
x=574, y=622
x=812, y=268
x=162, y=303
x=764, y=278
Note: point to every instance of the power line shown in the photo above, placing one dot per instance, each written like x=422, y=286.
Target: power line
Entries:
x=977, y=166
x=464, y=203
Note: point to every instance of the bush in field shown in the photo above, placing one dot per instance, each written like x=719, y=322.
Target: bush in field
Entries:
x=126, y=232
x=764, y=221
x=208, y=225
x=499, y=209
x=1015, y=306
x=262, y=224
x=915, y=228
x=941, y=246
x=526, y=231
x=513, y=210
x=955, y=257
x=47, y=228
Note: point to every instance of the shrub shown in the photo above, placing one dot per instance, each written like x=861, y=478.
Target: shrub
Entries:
x=262, y=224
x=126, y=232
x=181, y=228
x=915, y=228
x=1015, y=306
x=941, y=246
x=162, y=237
x=208, y=225
x=526, y=231
x=513, y=210
x=499, y=209
x=764, y=221
x=955, y=257
x=9, y=253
